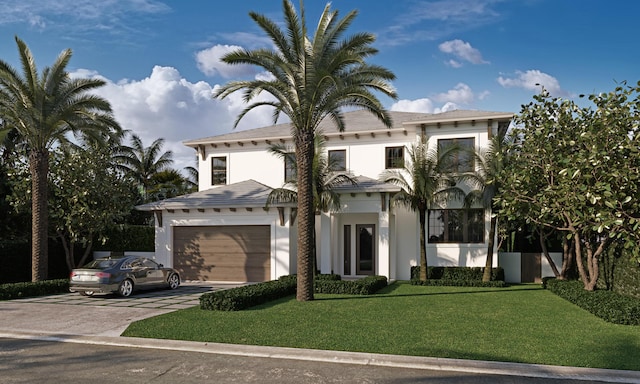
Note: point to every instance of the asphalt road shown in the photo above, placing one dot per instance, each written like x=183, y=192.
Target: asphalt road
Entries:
x=36, y=361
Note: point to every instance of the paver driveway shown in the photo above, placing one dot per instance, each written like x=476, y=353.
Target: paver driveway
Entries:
x=100, y=315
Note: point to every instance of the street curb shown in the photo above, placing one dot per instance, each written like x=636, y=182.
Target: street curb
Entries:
x=373, y=359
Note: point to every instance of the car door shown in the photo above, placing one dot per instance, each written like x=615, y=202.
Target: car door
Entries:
x=154, y=276
x=139, y=272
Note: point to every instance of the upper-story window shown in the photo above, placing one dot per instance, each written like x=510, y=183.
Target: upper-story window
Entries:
x=394, y=157
x=219, y=170
x=461, y=159
x=290, y=167
x=338, y=160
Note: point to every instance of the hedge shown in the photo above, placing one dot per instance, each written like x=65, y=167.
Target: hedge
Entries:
x=39, y=288
x=236, y=299
x=607, y=305
x=458, y=276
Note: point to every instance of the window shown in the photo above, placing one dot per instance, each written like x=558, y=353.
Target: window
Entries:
x=460, y=159
x=290, y=167
x=338, y=160
x=456, y=226
x=218, y=170
x=394, y=157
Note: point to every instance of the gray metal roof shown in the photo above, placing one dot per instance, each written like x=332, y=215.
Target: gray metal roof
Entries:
x=355, y=121
x=245, y=194
x=251, y=194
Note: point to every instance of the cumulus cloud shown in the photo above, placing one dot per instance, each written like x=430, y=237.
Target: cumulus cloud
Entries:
x=165, y=105
x=462, y=51
x=210, y=63
x=461, y=95
x=533, y=80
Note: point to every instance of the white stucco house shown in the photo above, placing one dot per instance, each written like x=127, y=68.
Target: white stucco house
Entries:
x=223, y=232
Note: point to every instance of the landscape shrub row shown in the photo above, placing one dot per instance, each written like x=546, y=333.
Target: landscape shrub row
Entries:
x=365, y=286
x=458, y=276
x=607, y=305
x=236, y=299
x=28, y=289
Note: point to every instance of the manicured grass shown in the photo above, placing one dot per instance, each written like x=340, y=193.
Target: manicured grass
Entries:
x=517, y=324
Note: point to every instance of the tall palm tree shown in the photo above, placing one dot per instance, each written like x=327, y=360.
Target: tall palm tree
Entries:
x=43, y=109
x=424, y=183
x=325, y=179
x=313, y=78
x=487, y=184
x=143, y=163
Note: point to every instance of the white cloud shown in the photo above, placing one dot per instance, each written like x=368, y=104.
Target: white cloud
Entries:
x=463, y=51
x=533, y=80
x=460, y=95
x=165, y=105
x=210, y=63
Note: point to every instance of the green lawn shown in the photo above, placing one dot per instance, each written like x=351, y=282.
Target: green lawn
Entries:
x=517, y=324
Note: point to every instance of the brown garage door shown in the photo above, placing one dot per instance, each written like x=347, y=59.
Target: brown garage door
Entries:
x=222, y=253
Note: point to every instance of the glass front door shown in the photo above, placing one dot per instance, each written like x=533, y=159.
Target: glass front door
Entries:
x=365, y=249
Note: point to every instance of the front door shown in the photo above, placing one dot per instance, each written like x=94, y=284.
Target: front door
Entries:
x=365, y=249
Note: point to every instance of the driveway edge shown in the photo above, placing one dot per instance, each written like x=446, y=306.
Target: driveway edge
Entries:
x=374, y=359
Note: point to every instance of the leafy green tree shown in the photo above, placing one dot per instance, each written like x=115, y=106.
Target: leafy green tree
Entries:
x=168, y=183
x=45, y=110
x=142, y=164
x=424, y=183
x=577, y=170
x=312, y=78
x=326, y=178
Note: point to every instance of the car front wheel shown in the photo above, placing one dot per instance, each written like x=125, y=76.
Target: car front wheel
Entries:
x=174, y=281
x=125, y=288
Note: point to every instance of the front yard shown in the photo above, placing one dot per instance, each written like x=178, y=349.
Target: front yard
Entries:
x=517, y=324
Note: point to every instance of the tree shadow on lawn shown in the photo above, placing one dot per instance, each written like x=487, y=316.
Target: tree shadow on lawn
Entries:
x=387, y=292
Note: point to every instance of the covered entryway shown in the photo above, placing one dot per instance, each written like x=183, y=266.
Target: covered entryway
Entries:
x=222, y=253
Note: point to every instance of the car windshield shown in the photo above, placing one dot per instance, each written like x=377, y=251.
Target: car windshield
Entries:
x=101, y=264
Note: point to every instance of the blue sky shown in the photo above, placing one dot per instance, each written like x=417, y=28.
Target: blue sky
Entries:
x=161, y=58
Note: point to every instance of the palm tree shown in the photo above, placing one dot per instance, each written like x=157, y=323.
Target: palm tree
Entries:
x=487, y=184
x=325, y=179
x=43, y=109
x=313, y=78
x=142, y=163
x=424, y=183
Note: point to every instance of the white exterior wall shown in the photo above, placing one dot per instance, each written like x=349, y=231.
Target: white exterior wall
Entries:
x=280, y=262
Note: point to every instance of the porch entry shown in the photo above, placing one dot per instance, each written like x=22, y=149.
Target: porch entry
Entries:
x=359, y=249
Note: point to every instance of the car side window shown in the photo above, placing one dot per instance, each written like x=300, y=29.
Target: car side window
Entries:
x=148, y=263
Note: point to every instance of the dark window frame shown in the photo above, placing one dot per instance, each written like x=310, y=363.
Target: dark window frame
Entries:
x=290, y=167
x=456, y=226
x=459, y=161
x=337, y=164
x=218, y=172
x=393, y=160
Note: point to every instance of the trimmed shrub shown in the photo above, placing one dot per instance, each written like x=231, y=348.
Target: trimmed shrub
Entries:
x=458, y=276
x=236, y=299
x=607, y=305
x=39, y=288
x=126, y=237
x=366, y=286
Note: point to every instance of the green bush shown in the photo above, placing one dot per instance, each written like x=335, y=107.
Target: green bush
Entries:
x=366, y=286
x=236, y=299
x=458, y=276
x=123, y=238
x=40, y=288
x=607, y=305
x=459, y=283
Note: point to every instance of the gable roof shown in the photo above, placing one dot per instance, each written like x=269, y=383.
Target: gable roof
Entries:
x=355, y=122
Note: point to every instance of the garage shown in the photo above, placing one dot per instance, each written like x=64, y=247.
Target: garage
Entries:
x=236, y=253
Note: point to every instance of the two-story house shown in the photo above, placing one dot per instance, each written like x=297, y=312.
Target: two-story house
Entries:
x=225, y=232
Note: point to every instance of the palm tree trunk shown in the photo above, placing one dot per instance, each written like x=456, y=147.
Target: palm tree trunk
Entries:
x=306, y=215
x=423, y=246
x=39, y=168
x=488, y=265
